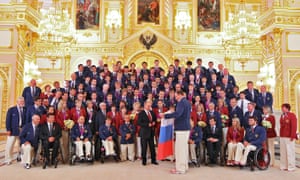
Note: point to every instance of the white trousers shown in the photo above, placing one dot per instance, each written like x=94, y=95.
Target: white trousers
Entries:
x=109, y=147
x=10, y=143
x=27, y=153
x=79, y=148
x=271, y=149
x=225, y=130
x=138, y=147
x=192, y=149
x=240, y=156
x=182, y=151
x=231, y=149
x=127, y=150
x=287, y=154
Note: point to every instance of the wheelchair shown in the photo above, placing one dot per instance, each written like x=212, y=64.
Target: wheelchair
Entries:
x=42, y=154
x=260, y=158
x=103, y=156
x=220, y=158
x=73, y=158
x=198, y=155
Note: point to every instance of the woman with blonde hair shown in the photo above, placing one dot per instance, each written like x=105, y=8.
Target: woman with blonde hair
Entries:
x=62, y=115
x=235, y=135
x=269, y=123
x=134, y=118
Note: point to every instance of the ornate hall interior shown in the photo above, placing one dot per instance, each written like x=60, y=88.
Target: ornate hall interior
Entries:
x=256, y=40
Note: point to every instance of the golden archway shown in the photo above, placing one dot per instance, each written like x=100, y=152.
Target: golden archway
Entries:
x=294, y=79
x=5, y=80
x=149, y=57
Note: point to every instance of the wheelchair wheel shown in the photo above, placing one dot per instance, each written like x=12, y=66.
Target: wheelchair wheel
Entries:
x=262, y=159
x=72, y=160
x=198, y=154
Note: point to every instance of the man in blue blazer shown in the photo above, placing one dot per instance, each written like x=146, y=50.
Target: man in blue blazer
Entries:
x=254, y=138
x=108, y=135
x=15, y=120
x=34, y=109
x=81, y=134
x=29, y=140
x=213, y=113
x=30, y=92
x=235, y=111
x=252, y=112
x=182, y=128
x=264, y=98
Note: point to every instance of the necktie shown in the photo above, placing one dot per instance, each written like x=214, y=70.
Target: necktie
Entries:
x=20, y=116
x=32, y=91
x=213, y=130
x=51, y=128
x=34, y=130
x=252, y=129
x=149, y=116
x=264, y=98
x=242, y=105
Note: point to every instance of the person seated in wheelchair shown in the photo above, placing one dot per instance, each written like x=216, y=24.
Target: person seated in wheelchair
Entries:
x=235, y=135
x=213, y=137
x=194, y=141
x=108, y=136
x=49, y=134
x=254, y=138
x=127, y=131
x=81, y=136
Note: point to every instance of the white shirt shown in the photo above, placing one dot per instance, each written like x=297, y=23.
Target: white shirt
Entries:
x=245, y=104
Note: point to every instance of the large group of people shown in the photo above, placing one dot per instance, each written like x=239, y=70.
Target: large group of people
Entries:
x=122, y=109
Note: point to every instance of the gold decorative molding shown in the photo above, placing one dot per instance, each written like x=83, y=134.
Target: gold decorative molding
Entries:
x=5, y=76
x=279, y=17
x=278, y=68
x=22, y=29
x=67, y=66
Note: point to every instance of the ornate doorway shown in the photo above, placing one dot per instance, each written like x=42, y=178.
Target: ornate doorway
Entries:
x=149, y=57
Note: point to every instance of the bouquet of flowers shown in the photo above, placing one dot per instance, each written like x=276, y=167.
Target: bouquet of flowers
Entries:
x=202, y=124
x=132, y=116
x=69, y=123
x=266, y=124
x=225, y=119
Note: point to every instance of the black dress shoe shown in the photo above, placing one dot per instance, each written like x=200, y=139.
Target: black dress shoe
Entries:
x=144, y=163
x=45, y=164
x=18, y=158
x=155, y=163
x=55, y=163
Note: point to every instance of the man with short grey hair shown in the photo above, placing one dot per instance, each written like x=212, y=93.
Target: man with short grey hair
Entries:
x=15, y=120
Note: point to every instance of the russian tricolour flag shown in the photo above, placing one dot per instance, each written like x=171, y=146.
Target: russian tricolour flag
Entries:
x=165, y=141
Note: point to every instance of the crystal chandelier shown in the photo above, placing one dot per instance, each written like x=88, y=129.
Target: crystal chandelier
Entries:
x=242, y=28
x=56, y=26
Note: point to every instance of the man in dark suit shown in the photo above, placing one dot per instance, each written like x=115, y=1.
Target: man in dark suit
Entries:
x=147, y=120
x=213, y=137
x=182, y=128
x=254, y=138
x=251, y=92
x=29, y=138
x=15, y=120
x=49, y=134
x=252, y=112
x=30, y=92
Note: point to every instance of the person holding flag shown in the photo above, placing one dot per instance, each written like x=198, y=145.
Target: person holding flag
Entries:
x=182, y=128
